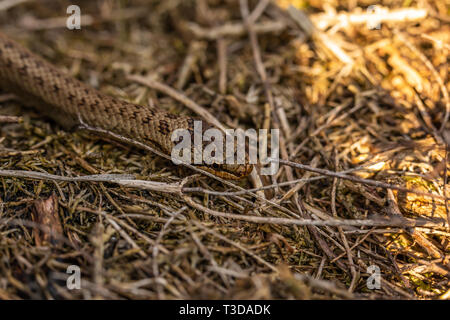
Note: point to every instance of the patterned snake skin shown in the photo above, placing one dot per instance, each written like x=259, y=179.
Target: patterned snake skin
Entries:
x=71, y=103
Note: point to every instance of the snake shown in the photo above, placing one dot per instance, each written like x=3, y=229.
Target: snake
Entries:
x=72, y=103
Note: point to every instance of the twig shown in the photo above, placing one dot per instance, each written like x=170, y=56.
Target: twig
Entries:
x=6, y=4
x=125, y=236
x=435, y=74
x=382, y=14
x=324, y=285
x=202, y=112
x=268, y=187
x=7, y=96
x=445, y=133
x=189, y=62
x=29, y=22
x=341, y=232
x=263, y=76
x=427, y=118
x=222, y=60
x=305, y=23
x=395, y=222
x=156, y=247
x=10, y=119
x=234, y=29
x=258, y=11
x=123, y=224
x=439, y=43
x=121, y=179
x=394, y=210
x=96, y=239
x=208, y=255
x=378, y=184
x=237, y=245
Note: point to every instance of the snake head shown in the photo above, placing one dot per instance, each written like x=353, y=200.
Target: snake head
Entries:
x=232, y=171
x=205, y=140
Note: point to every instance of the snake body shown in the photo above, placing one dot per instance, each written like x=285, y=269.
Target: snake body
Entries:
x=71, y=103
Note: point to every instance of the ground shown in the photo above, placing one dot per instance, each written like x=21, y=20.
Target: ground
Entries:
x=368, y=99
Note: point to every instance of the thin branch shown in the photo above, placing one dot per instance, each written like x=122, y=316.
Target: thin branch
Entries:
x=121, y=179
x=202, y=112
x=10, y=119
x=394, y=222
x=374, y=183
x=7, y=4
x=234, y=29
x=380, y=15
x=156, y=247
x=435, y=74
x=235, y=244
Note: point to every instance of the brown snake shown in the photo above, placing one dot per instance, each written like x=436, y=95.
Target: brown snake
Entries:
x=72, y=103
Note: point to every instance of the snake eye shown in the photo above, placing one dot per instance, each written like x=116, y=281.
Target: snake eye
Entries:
x=215, y=165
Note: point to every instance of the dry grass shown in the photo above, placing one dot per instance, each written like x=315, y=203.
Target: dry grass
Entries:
x=345, y=97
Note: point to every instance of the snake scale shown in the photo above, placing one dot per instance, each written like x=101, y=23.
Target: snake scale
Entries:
x=72, y=103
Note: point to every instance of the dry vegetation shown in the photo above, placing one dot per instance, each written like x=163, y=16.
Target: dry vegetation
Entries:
x=371, y=102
